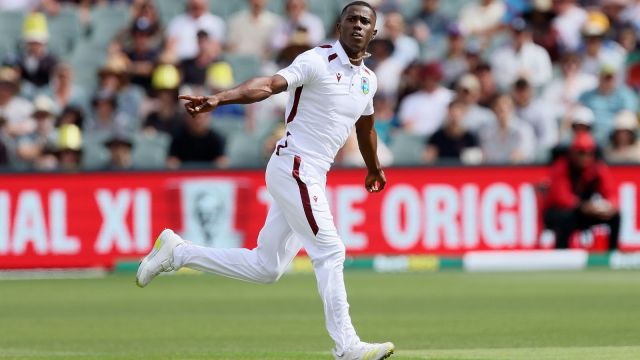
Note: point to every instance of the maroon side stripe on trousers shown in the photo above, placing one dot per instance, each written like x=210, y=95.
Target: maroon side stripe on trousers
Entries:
x=304, y=195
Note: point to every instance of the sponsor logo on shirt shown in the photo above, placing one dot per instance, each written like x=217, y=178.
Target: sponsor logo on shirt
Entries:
x=365, y=85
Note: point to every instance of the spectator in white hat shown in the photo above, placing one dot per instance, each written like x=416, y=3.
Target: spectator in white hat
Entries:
x=624, y=146
x=579, y=118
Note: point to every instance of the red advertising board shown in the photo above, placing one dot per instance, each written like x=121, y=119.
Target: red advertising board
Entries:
x=94, y=219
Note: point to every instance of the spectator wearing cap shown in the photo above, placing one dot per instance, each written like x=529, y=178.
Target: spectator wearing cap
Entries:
x=68, y=150
x=16, y=110
x=577, y=119
x=423, y=112
x=194, y=70
x=563, y=91
x=30, y=146
x=114, y=77
x=430, y=16
x=451, y=141
x=387, y=69
x=142, y=54
x=474, y=117
x=508, y=140
x=607, y=100
x=197, y=143
x=106, y=118
x=250, y=30
x=569, y=20
x=581, y=194
x=182, y=40
x=481, y=17
x=406, y=48
x=598, y=51
x=624, y=146
x=36, y=64
x=220, y=78
x=120, y=148
x=521, y=57
x=167, y=114
x=537, y=114
x=454, y=63
x=298, y=22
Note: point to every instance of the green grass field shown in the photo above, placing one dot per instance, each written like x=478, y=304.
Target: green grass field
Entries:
x=542, y=316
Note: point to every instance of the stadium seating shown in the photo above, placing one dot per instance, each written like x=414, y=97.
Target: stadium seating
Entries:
x=94, y=154
x=150, y=151
x=11, y=31
x=227, y=125
x=244, y=67
x=64, y=31
x=244, y=150
x=106, y=22
x=406, y=148
x=86, y=59
x=168, y=9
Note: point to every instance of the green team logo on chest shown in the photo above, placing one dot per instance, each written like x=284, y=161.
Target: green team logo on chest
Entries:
x=365, y=85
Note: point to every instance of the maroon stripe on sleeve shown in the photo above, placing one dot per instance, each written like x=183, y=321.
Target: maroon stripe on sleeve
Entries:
x=332, y=57
x=294, y=108
x=326, y=46
x=304, y=195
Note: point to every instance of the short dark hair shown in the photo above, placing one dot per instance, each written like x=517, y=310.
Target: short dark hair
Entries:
x=357, y=3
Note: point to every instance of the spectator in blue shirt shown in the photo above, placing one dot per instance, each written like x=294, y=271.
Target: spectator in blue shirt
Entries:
x=606, y=101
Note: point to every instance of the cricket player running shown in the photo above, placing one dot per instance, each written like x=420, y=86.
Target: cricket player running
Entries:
x=331, y=91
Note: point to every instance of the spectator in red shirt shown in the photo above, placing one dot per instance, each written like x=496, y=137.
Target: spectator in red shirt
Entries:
x=581, y=194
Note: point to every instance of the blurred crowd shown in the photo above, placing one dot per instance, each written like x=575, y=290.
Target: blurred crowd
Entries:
x=93, y=84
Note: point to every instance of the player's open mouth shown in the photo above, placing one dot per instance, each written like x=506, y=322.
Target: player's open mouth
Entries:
x=357, y=35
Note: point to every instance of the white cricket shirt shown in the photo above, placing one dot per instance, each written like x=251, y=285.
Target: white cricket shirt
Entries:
x=328, y=96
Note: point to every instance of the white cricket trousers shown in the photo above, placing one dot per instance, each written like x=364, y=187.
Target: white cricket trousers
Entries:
x=299, y=216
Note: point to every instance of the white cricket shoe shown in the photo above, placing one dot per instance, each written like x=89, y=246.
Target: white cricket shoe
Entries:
x=160, y=259
x=366, y=351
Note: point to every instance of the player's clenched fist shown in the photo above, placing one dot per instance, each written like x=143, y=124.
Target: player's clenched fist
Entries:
x=375, y=181
x=199, y=104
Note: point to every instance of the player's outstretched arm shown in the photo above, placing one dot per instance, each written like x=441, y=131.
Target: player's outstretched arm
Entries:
x=250, y=91
x=368, y=144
